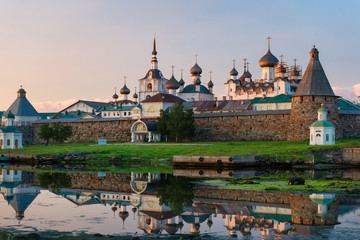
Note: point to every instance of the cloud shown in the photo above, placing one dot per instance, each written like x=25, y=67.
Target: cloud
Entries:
x=56, y=106
x=346, y=93
x=356, y=89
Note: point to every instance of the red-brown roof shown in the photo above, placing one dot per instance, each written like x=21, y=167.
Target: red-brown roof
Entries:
x=164, y=97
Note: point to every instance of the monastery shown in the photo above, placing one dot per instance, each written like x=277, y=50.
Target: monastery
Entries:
x=281, y=105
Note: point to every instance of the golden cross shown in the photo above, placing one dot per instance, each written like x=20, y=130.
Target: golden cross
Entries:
x=172, y=66
x=124, y=80
x=268, y=38
x=281, y=57
x=211, y=72
x=295, y=62
x=196, y=58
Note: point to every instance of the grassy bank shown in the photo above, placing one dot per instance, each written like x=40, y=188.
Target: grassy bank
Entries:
x=281, y=185
x=280, y=149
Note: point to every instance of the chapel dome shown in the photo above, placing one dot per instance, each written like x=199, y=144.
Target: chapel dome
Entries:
x=268, y=60
x=233, y=72
x=172, y=83
x=196, y=70
x=125, y=90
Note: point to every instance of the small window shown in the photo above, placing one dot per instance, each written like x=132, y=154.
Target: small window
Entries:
x=312, y=137
x=8, y=142
x=327, y=137
x=124, y=113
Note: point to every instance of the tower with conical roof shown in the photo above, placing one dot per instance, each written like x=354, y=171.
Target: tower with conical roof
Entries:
x=313, y=90
x=153, y=82
x=24, y=112
x=267, y=63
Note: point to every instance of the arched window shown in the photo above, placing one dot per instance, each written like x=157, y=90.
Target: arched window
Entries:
x=8, y=142
x=327, y=137
x=312, y=137
x=149, y=87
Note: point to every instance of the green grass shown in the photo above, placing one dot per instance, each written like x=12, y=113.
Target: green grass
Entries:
x=280, y=149
x=281, y=185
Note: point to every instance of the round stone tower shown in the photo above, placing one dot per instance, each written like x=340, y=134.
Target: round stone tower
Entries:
x=314, y=89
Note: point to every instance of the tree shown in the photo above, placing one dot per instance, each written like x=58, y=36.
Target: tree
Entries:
x=57, y=133
x=177, y=122
x=163, y=122
x=55, y=181
x=176, y=193
x=61, y=132
x=46, y=133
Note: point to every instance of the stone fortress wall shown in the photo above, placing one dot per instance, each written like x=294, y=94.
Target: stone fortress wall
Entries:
x=237, y=126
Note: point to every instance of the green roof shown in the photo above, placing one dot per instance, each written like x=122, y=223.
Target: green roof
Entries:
x=75, y=115
x=277, y=99
x=9, y=129
x=322, y=109
x=276, y=217
x=45, y=115
x=347, y=105
x=1, y=113
x=115, y=108
x=322, y=124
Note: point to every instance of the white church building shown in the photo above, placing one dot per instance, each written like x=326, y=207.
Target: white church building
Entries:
x=10, y=136
x=322, y=132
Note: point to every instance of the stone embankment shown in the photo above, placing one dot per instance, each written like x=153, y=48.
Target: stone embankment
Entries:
x=347, y=156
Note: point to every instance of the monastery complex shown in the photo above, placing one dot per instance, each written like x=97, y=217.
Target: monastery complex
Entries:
x=282, y=105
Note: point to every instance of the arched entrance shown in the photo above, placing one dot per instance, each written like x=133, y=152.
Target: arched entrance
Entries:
x=142, y=131
x=16, y=144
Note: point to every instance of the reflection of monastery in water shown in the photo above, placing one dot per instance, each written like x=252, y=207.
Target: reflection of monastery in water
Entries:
x=17, y=193
x=266, y=212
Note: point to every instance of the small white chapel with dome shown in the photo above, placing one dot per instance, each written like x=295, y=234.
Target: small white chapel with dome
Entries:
x=322, y=132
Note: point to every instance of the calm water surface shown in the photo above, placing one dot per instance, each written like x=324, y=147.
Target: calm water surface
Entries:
x=153, y=205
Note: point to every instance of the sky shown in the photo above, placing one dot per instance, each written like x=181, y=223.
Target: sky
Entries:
x=61, y=51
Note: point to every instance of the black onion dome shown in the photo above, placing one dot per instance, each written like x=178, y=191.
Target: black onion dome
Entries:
x=181, y=82
x=115, y=96
x=171, y=228
x=135, y=95
x=233, y=72
x=197, y=81
x=210, y=84
x=247, y=74
x=125, y=90
x=196, y=70
x=268, y=60
x=172, y=83
x=123, y=215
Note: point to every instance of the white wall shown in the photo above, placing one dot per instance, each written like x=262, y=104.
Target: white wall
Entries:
x=318, y=135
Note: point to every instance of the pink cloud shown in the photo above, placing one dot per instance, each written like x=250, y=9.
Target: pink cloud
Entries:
x=346, y=93
x=55, y=106
x=356, y=89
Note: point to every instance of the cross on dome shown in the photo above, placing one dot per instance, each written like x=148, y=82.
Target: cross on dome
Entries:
x=268, y=38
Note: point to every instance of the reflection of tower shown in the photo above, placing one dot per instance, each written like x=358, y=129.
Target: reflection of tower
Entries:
x=134, y=209
x=114, y=208
x=181, y=223
x=194, y=219
x=209, y=222
x=231, y=225
x=123, y=214
x=171, y=227
x=19, y=195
